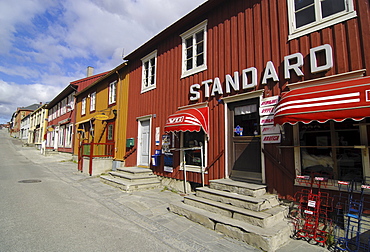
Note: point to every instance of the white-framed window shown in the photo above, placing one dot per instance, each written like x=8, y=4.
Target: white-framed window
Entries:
x=83, y=106
x=306, y=16
x=64, y=104
x=194, y=50
x=149, y=66
x=70, y=103
x=69, y=134
x=92, y=101
x=61, y=136
x=112, y=92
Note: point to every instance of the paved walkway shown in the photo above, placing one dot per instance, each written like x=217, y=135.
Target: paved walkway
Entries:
x=148, y=208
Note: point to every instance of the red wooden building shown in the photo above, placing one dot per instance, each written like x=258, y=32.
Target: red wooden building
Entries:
x=207, y=88
x=62, y=118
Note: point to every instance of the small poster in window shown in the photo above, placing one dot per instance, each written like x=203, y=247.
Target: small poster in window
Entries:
x=166, y=142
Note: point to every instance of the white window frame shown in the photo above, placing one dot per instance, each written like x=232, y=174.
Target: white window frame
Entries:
x=92, y=101
x=68, y=135
x=112, y=92
x=320, y=22
x=146, y=77
x=83, y=106
x=185, y=36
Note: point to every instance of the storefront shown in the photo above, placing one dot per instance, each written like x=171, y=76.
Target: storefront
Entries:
x=330, y=128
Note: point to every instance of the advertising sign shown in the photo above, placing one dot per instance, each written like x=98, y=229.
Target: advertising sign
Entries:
x=267, y=120
x=276, y=138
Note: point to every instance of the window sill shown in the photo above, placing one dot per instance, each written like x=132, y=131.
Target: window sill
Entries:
x=147, y=89
x=192, y=168
x=193, y=71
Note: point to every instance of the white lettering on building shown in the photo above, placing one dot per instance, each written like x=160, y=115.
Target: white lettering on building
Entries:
x=292, y=63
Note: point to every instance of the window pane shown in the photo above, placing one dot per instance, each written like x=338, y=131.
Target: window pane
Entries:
x=152, y=62
x=200, y=48
x=330, y=7
x=246, y=120
x=199, y=37
x=200, y=60
x=189, y=64
x=305, y=16
x=189, y=42
x=189, y=53
x=299, y=4
x=193, y=139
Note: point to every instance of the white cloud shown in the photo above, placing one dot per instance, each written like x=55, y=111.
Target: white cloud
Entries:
x=51, y=42
x=13, y=96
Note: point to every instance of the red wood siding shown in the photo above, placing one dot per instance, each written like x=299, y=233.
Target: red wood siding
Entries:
x=240, y=34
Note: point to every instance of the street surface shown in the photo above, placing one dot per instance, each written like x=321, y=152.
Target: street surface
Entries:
x=47, y=205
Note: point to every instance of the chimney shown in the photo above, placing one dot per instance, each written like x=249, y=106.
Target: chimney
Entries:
x=90, y=71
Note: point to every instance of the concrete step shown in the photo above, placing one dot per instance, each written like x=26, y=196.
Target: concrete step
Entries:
x=267, y=218
x=267, y=239
x=132, y=185
x=243, y=188
x=259, y=203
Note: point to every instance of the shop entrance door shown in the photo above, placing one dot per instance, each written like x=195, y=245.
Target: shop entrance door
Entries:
x=245, y=149
x=144, y=143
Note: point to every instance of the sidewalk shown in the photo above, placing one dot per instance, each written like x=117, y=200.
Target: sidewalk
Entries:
x=149, y=208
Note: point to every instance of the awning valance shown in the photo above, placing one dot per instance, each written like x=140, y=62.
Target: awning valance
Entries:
x=338, y=101
x=192, y=119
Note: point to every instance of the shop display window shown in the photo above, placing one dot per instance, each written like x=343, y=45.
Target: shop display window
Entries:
x=331, y=149
x=191, y=140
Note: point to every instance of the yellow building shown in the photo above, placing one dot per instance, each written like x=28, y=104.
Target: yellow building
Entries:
x=101, y=117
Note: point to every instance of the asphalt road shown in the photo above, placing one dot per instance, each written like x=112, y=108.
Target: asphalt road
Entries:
x=60, y=209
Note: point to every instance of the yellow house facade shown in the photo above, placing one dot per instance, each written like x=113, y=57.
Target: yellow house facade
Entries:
x=101, y=117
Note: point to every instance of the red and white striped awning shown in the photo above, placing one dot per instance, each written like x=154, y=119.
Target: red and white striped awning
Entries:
x=193, y=119
x=336, y=101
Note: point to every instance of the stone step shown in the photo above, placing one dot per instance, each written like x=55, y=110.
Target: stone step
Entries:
x=267, y=218
x=130, y=176
x=243, y=188
x=259, y=203
x=135, y=171
x=267, y=239
x=129, y=186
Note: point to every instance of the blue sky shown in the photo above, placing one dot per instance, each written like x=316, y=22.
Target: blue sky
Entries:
x=45, y=44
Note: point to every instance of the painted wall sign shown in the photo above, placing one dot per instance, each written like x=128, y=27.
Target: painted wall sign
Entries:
x=269, y=101
x=248, y=77
x=266, y=130
x=267, y=120
x=276, y=138
x=101, y=117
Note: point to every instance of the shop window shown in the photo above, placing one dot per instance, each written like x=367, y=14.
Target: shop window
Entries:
x=149, y=64
x=194, y=44
x=331, y=149
x=307, y=16
x=193, y=158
